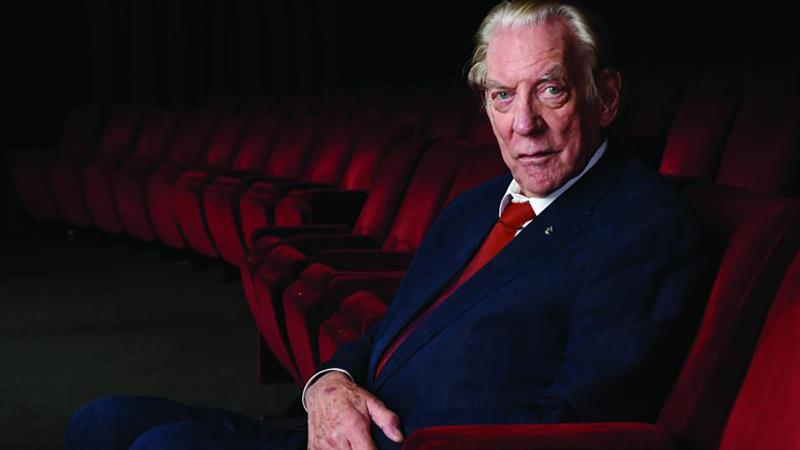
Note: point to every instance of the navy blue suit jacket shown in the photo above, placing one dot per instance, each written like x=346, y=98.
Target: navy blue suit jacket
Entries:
x=584, y=316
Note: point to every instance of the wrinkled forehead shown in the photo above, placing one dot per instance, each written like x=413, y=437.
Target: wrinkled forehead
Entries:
x=530, y=50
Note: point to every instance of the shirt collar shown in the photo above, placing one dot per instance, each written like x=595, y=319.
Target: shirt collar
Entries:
x=514, y=191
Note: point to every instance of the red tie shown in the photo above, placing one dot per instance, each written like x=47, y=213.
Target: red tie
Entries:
x=512, y=219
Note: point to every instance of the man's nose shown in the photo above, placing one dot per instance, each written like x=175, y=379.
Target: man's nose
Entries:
x=527, y=119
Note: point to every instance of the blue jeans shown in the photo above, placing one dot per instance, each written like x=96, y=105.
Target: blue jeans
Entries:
x=140, y=423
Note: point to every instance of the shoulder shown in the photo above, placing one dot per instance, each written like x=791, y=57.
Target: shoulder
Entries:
x=640, y=203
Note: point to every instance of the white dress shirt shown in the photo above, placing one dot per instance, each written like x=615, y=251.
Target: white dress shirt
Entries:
x=513, y=194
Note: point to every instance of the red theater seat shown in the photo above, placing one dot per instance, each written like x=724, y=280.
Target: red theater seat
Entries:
x=652, y=111
x=173, y=188
x=192, y=188
x=130, y=181
x=324, y=168
x=341, y=204
x=763, y=150
x=286, y=161
x=480, y=130
x=768, y=405
x=278, y=263
x=116, y=142
x=760, y=237
x=696, y=138
x=153, y=141
x=30, y=169
x=355, y=314
x=448, y=117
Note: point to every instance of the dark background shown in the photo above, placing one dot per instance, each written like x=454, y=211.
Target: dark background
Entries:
x=179, y=53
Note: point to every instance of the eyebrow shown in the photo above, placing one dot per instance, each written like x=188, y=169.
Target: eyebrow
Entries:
x=492, y=84
x=555, y=73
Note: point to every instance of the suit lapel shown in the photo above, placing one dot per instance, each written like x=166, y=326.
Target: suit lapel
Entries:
x=461, y=245
x=557, y=226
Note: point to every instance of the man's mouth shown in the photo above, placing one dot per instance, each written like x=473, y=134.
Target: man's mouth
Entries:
x=537, y=157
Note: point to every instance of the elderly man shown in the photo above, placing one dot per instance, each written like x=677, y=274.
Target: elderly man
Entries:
x=563, y=292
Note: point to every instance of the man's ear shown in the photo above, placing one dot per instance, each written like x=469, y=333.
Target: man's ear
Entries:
x=610, y=85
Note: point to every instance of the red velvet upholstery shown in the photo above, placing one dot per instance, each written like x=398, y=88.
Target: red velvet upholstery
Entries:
x=356, y=311
x=763, y=151
x=187, y=189
x=153, y=141
x=354, y=316
x=579, y=436
x=288, y=160
x=286, y=155
x=480, y=130
x=448, y=117
x=30, y=169
x=130, y=181
x=652, y=112
x=768, y=405
x=325, y=167
x=372, y=144
x=757, y=233
x=254, y=149
x=696, y=138
x=759, y=236
x=116, y=142
x=163, y=197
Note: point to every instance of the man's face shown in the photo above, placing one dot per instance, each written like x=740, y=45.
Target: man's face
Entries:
x=536, y=102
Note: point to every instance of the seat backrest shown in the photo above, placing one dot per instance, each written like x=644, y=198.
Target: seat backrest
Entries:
x=332, y=150
x=484, y=163
x=426, y=193
x=371, y=145
x=157, y=133
x=653, y=111
x=224, y=141
x=80, y=132
x=258, y=141
x=448, y=117
x=696, y=138
x=767, y=408
x=480, y=130
x=290, y=153
x=753, y=232
x=391, y=180
x=192, y=136
x=119, y=133
x=763, y=150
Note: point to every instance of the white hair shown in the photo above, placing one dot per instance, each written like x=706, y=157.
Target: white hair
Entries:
x=519, y=14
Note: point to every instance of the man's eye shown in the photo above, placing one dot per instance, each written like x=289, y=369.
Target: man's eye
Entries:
x=502, y=95
x=552, y=91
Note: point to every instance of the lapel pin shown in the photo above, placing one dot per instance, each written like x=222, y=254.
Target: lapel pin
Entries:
x=549, y=230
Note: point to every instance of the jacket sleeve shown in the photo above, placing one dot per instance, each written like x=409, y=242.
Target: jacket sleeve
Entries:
x=353, y=356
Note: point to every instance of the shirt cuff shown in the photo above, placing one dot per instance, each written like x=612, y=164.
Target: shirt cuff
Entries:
x=316, y=376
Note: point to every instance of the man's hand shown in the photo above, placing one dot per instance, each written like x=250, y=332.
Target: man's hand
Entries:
x=340, y=414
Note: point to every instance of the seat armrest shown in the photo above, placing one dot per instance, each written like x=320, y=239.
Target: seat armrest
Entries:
x=564, y=436
x=382, y=284
x=312, y=244
x=364, y=259
x=335, y=205
x=291, y=231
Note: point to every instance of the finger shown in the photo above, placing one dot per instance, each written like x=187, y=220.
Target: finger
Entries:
x=385, y=419
x=360, y=439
